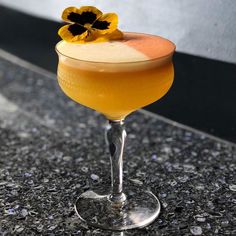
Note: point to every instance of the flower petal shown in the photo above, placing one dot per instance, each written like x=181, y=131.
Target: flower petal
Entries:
x=76, y=29
x=115, y=35
x=98, y=38
x=107, y=23
x=91, y=9
x=72, y=33
x=68, y=12
x=82, y=16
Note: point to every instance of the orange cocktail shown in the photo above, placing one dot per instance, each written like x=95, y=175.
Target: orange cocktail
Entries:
x=114, y=73
x=116, y=85
x=116, y=78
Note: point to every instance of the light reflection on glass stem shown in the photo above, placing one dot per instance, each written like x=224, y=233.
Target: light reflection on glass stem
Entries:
x=115, y=138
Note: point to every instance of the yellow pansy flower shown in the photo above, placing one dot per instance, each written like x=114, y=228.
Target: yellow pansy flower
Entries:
x=88, y=24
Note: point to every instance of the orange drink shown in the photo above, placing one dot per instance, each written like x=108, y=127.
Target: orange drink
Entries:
x=116, y=78
x=114, y=73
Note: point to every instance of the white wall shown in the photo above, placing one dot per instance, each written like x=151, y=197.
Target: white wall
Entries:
x=201, y=27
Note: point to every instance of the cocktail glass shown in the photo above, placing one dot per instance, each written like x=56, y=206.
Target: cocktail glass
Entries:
x=116, y=90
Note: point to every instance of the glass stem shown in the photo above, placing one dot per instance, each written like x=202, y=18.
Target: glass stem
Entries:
x=115, y=137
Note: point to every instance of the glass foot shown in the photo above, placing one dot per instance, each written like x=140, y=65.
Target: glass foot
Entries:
x=140, y=209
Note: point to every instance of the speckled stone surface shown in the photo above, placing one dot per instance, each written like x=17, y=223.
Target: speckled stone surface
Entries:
x=51, y=150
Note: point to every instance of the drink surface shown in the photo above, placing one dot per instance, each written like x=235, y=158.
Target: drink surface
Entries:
x=116, y=78
x=134, y=47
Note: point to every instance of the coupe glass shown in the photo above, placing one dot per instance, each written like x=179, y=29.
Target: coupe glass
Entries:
x=116, y=90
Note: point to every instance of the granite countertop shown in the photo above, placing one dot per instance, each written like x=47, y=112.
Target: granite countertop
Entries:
x=53, y=149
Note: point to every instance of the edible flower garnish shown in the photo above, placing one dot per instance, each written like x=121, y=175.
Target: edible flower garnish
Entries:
x=88, y=24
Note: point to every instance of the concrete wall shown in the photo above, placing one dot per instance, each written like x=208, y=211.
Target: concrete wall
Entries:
x=201, y=27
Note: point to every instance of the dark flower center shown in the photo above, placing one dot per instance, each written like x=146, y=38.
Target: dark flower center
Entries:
x=85, y=17
x=101, y=25
x=76, y=29
x=84, y=22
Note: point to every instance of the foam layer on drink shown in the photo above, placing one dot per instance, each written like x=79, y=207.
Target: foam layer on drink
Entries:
x=134, y=47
